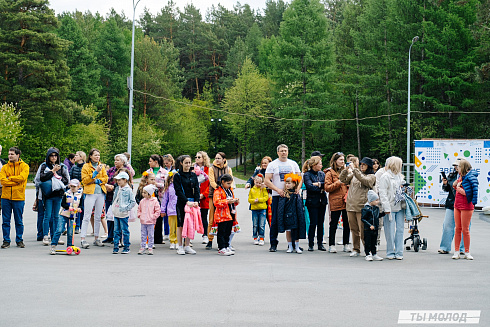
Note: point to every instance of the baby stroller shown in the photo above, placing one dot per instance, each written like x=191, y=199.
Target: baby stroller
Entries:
x=413, y=216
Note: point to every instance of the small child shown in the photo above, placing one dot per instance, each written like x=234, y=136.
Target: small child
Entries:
x=123, y=202
x=290, y=214
x=257, y=197
x=148, y=212
x=370, y=217
x=69, y=209
x=169, y=208
x=146, y=179
x=225, y=213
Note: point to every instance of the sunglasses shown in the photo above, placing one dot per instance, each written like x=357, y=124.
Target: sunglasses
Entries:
x=53, y=155
x=198, y=157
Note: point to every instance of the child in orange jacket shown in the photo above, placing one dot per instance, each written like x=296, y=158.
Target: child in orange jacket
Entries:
x=225, y=213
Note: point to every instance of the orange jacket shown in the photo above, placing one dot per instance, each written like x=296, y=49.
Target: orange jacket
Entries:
x=222, y=210
x=13, y=177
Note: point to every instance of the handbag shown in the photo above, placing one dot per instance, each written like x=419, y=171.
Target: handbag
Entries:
x=46, y=187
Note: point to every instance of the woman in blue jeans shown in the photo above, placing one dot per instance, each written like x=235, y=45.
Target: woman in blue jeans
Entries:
x=52, y=203
x=448, y=225
x=390, y=183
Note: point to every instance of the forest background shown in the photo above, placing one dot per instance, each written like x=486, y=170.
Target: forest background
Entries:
x=328, y=75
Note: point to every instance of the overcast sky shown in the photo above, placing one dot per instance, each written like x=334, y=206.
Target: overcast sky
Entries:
x=104, y=6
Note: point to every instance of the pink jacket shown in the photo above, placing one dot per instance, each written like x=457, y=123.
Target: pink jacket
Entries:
x=148, y=211
x=192, y=222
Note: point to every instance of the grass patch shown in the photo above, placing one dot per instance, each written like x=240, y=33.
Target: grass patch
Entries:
x=238, y=171
x=239, y=185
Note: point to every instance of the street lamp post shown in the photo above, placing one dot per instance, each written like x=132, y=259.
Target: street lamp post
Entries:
x=415, y=39
x=130, y=118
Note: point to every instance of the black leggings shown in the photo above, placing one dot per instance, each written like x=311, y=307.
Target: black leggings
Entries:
x=334, y=220
x=224, y=232
x=204, y=218
x=317, y=219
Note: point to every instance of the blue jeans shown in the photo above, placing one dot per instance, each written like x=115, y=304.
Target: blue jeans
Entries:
x=448, y=227
x=18, y=208
x=40, y=218
x=394, y=239
x=62, y=221
x=258, y=219
x=273, y=228
x=51, y=212
x=121, y=227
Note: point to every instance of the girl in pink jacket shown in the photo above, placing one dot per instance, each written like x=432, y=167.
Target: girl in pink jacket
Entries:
x=148, y=212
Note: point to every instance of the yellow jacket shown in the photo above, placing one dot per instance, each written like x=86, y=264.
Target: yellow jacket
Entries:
x=89, y=183
x=258, y=193
x=13, y=177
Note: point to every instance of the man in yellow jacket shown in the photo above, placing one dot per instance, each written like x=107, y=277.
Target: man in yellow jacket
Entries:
x=13, y=178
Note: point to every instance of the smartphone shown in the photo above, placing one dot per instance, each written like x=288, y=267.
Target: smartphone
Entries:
x=347, y=163
x=443, y=175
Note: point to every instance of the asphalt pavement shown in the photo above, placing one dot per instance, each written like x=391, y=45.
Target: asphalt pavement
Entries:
x=253, y=287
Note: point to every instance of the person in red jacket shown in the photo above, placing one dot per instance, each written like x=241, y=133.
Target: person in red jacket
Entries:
x=202, y=163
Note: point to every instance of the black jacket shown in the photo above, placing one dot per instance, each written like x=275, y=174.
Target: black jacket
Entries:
x=76, y=171
x=46, y=176
x=290, y=215
x=315, y=196
x=370, y=216
x=186, y=187
x=450, y=189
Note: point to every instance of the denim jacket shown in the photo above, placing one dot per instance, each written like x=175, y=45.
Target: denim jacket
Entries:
x=126, y=200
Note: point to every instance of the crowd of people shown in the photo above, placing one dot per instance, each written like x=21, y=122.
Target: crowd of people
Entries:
x=177, y=199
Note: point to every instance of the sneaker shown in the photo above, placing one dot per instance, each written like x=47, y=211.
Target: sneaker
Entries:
x=332, y=249
x=442, y=251
x=256, y=241
x=261, y=242
x=468, y=256
x=21, y=244
x=125, y=251
x=299, y=250
x=115, y=250
x=64, y=233
x=107, y=240
x=150, y=252
x=377, y=258
x=390, y=257
x=189, y=250
x=289, y=250
x=224, y=252
x=229, y=249
x=209, y=246
x=273, y=248
x=347, y=248
x=205, y=239
x=180, y=250
x=399, y=257
x=52, y=250
x=310, y=248
x=321, y=247
x=165, y=237
x=98, y=242
x=77, y=230
x=46, y=240
x=5, y=245
x=85, y=244
x=141, y=251
x=369, y=257
x=61, y=242
x=354, y=254
x=172, y=246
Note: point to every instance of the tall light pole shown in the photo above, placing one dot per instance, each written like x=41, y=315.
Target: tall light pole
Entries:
x=130, y=118
x=415, y=39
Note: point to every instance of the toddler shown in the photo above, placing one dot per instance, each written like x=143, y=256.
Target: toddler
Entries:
x=370, y=217
x=257, y=197
x=148, y=212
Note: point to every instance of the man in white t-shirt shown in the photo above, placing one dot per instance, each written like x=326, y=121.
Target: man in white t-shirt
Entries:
x=274, y=179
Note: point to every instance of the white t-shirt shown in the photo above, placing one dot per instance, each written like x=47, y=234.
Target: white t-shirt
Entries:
x=279, y=169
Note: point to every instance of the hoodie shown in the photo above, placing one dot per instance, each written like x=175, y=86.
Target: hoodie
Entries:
x=215, y=173
x=46, y=172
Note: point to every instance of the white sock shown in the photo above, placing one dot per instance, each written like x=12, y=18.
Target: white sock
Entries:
x=290, y=245
x=297, y=245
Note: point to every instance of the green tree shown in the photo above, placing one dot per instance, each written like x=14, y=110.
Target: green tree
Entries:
x=272, y=17
x=10, y=126
x=303, y=67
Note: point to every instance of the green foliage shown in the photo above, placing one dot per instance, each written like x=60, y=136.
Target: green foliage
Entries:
x=10, y=126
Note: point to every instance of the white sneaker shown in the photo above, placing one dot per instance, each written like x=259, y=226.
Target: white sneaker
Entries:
x=230, y=250
x=377, y=258
x=84, y=244
x=369, y=257
x=189, y=250
x=354, y=254
x=52, y=250
x=332, y=249
x=172, y=246
x=347, y=248
x=468, y=256
x=205, y=239
x=261, y=242
x=289, y=250
x=180, y=250
x=98, y=242
x=46, y=240
x=456, y=255
x=165, y=237
x=224, y=252
x=61, y=242
x=298, y=250
x=256, y=241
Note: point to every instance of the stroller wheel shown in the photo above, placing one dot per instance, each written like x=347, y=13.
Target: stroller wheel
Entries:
x=424, y=244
